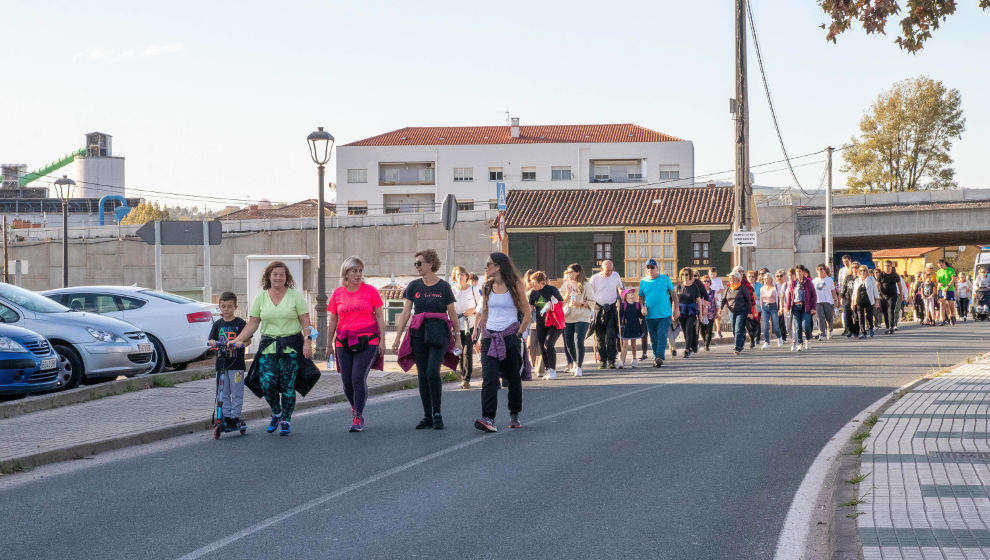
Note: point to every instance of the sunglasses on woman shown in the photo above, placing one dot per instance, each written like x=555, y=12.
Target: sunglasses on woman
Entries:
x=418, y=264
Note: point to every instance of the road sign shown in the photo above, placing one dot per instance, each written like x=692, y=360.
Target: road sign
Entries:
x=181, y=232
x=449, y=212
x=500, y=195
x=744, y=239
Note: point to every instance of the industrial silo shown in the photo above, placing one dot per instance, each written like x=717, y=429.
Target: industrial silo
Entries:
x=98, y=171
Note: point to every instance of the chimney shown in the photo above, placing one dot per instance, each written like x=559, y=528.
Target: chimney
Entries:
x=514, y=129
x=253, y=210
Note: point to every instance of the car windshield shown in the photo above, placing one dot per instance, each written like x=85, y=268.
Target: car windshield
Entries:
x=30, y=300
x=167, y=296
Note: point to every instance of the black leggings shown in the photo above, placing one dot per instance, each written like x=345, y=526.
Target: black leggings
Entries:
x=864, y=316
x=689, y=324
x=428, y=361
x=509, y=369
x=467, y=356
x=707, y=331
x=548, y=343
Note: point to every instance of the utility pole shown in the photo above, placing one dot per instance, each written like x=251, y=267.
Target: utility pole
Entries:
x=64, y=185
x=6, y=277
x=740, y=214
x=829, y=250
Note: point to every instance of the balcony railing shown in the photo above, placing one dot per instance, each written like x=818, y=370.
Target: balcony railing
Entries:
x=630, y=178
x=384, y=183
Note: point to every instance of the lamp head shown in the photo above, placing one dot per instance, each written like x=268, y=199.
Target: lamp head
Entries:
x=320, y=145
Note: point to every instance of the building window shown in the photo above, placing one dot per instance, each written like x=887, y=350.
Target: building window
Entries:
x=357, y=175
x=528, y=173
x=616, y=170
x=701, y=249
x=603, y=251
x=463, y=174
x=357, y=208
x=643, y=244
x=495, y=174
x=465, y=205
x=493, y=204
x=407, y=173
x=670, y=172
x=560, y=173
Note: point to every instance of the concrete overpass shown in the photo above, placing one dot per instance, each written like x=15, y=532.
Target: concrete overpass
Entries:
x=793, y=230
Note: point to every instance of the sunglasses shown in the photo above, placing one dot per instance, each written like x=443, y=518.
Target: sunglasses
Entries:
x=489, y=263
x=418, y=264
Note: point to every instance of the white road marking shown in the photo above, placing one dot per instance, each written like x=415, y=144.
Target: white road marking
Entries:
x=316, y=502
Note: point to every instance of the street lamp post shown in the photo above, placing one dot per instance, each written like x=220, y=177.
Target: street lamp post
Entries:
x=320, y=146
x=64, y=186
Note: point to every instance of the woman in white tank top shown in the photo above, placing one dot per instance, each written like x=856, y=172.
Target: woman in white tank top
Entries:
x=504, y=317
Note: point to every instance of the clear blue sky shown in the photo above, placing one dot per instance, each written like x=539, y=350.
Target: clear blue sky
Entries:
x=217, y=97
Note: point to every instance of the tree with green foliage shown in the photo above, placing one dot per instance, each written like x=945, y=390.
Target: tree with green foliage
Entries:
x=905, y=139
x=145, y=212
x=920, y=18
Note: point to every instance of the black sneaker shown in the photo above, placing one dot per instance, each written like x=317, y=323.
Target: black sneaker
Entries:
x=485, y=424
x=673, y=351
x=228, y=424
x=611, y=365
x=426, y=422
x=437, y=421
x=514, y=420
x=658, y=362
x=241, y=425
x=603, y=365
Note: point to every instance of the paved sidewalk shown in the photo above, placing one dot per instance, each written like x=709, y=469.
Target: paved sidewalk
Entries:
x=929, y=459
x=140, y=417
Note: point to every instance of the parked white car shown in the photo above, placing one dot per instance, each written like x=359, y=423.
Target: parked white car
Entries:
x=177, y=326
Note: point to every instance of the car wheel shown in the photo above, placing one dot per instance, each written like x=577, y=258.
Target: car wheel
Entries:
x=180, y=367
x=158, y=357
x=70, y=367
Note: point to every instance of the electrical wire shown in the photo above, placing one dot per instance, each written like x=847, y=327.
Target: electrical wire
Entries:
x=766, y=90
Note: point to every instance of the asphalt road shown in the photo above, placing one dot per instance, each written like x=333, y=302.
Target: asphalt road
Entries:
x=698, y=461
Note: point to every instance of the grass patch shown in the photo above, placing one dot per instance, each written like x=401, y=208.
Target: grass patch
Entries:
x=871, y=421
x=858, y=450
x=854, y=514
x=861, y=436
x=160, y=381
x=450, y=377
x=855, y=501
x=858, y=478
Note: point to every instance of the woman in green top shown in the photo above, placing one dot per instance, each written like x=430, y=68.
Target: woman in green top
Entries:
x=283, y=315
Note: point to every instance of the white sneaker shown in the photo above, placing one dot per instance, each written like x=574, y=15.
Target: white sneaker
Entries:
x=619, y=365
x=635, y=363
x=551, y=374
x=764, y=346
x=828, y=335
x=806, y=345
x=779, y=343
x=793, y=347
x=578, y=372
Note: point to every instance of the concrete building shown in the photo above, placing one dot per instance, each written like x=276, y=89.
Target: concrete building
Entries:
x=413, y=169
x=98, y=171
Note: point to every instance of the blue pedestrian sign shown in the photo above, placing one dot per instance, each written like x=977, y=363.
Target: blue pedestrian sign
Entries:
x=500, y=195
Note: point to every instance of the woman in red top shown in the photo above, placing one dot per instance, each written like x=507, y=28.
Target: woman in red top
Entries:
x=355, y=327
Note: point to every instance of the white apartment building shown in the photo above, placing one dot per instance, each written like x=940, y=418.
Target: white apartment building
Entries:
x=414, y=168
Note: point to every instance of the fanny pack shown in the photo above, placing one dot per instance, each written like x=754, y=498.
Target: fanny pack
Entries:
x=361, y=345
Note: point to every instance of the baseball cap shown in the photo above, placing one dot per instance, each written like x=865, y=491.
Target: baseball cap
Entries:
x=651, y=263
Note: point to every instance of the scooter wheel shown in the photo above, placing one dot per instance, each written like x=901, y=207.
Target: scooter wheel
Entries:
x=243, y=430
x=217, y=430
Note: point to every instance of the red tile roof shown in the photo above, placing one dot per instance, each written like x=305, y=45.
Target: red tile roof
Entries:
x=619, y=207
x=462, y=135
x=302, y=209
x=902, y=253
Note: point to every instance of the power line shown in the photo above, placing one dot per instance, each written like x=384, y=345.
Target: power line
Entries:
x=766, y=90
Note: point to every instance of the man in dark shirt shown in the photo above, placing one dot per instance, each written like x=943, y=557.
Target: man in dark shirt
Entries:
x=890, y=289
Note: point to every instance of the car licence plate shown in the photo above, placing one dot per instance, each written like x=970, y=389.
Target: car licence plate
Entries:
x=49, y=363
x=144, y=347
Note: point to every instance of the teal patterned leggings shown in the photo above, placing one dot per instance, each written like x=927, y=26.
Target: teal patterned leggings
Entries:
x=278, y=381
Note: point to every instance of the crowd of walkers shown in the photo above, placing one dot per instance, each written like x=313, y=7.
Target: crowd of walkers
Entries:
x=513, y=322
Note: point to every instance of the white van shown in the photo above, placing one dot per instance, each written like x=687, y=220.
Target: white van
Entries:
x=982, y=261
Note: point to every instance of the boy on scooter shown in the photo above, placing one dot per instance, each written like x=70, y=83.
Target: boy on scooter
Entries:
x=231, y=360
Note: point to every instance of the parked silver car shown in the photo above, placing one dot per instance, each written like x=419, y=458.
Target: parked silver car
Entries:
x=89, y=346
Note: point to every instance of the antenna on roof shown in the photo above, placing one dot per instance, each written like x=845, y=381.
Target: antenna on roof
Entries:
x=508, y=117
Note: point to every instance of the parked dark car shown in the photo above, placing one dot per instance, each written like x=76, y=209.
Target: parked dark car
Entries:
x=28, y=364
